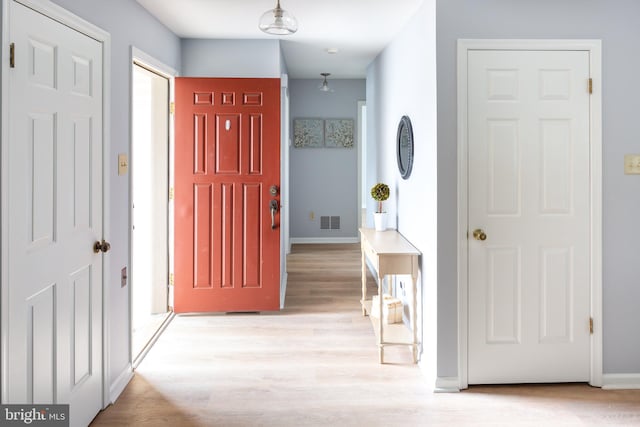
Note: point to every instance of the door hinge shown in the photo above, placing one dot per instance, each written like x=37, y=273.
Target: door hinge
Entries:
x=172, y=108
x=171, y=279
x=590, y=86
x=12, y=55
x=172, y=193
x=591, y=325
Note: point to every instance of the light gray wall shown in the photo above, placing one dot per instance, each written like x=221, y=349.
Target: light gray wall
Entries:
x=616, y=24
x=231, y=58
x=129, y=24
x=402, y=81
x=324, y=180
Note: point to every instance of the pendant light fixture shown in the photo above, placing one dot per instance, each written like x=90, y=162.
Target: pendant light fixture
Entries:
x=278, y=22
x=324, y=87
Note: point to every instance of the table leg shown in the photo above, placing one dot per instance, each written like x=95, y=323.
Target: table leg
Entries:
x=414, y=309
x=380, y=315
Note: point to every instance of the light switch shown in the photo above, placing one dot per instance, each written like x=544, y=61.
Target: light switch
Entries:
x=632, y=164
x=123, y=164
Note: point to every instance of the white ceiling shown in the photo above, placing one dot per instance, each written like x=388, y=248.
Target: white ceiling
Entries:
x=360, y=29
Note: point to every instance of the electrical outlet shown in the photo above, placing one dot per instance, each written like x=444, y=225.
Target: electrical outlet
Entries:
x=312, y=215
x=123, y=277
x=632, y=164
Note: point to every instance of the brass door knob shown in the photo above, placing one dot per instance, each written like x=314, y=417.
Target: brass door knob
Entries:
x=479, y=234
x=101, y=246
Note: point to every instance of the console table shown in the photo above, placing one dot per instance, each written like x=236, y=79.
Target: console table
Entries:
x=389, y=254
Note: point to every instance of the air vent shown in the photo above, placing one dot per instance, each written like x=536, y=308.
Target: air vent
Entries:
x=329, y=223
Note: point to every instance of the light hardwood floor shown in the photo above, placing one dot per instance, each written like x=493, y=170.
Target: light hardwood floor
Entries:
x=316, y=364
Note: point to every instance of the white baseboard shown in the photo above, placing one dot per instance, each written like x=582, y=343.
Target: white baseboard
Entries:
x=283, y=289
x=620, y=381
x=323, y=240
x=447, y=385
x=152, y=341
x=118, y=386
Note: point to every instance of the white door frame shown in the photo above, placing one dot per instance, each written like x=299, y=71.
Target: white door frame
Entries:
x=594, y=48
x=285, y=229
x=149, y=62
x=65, y=17
x=362, y=154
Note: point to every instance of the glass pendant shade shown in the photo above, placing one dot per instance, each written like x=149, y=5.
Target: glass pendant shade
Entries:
x=278, y=22
x=324, y=87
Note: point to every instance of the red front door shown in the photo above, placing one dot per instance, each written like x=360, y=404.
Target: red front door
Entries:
x=227, y=161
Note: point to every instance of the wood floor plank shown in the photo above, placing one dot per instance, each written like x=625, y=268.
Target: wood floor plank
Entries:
x=316, y=364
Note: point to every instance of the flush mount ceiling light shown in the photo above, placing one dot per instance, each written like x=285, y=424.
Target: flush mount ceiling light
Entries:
x=278, y=22
x=325, y=84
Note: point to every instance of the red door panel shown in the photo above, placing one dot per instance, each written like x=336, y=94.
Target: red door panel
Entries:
x=227, y=157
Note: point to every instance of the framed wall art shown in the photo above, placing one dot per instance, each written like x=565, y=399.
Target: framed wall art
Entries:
x=308, y=133
x=338, y=133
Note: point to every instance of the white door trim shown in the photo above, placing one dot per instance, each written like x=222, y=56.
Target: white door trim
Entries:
x=149, y=62
x=67, y=18
x=594, y=47
x=362, y=150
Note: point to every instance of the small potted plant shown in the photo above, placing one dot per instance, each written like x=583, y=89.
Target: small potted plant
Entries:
x=380, y=193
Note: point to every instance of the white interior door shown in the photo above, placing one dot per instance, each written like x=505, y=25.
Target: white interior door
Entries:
x=54, y=217
x=529, y=281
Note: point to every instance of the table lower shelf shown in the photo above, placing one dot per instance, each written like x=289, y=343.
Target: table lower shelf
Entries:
x=394, y=333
